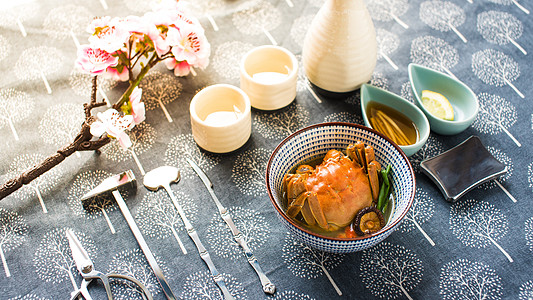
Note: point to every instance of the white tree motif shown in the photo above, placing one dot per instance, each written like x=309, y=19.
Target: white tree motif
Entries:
x=504, y=159
x=96, y=206
x=526, y=291
x=299, y=29
x=390, y=270
x=38, y=62
x=248, y=172
x=500, y=28
x=53, y=260
x=28, y=297
x=388, y=42
x=227, y=57
x=183, y=146
x=290, y=295
x=133, y=263
x=66, y=22
x=142, y=137
x=407, y=92
x=158, y=90
x=344, y=116
x=14, y=13
x=157, y=216
x=256, y=17
x=280, y=124
x=307, y=262
x=529, y=233
x=509, y=2
x=496, y=68
x=431, y=148
x=13, y=232
x=495, y=115
x=207, y=8
x=378, y=79
x=471, y=280
x=82, y=84
x=478, y=224
x=387, y=10
x=421, y=211
x=250, y=223
x=61, y=124
x=434, y=53
x=39, y=185
x=5, y=47
x=443, y=16
x=15, y=106
x=200, y=285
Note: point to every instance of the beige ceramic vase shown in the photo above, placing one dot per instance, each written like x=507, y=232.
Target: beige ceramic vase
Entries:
x=340, y=50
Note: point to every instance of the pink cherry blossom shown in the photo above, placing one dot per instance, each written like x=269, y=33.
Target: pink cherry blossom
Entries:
x=137, y=107
x=94, y=60
x=189, y=44
x=180, y=68
x=113, y=73
x=109, y=34
x=112, y=122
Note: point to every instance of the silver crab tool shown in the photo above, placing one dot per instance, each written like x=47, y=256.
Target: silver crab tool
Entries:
x=112, y=184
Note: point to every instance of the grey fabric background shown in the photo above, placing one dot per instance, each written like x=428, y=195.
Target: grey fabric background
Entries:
x=461, y=265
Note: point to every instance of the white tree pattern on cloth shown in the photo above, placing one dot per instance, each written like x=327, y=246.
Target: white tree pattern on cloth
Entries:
x=142, y=137
x=158, y=90
x=38, y=62
x=82, y=84
x=421, y=211
x=61, y=124
x=227, y=57
x=388, y=10
x=157, y=216
x=279, y=124
x=53, y=259
x=500, y=28
x=208, y=8
x=256, y=17
x=250, y=223
x=390, y=271
x=529, y=233
x=471, y=280
x=495, y=115
x=510, y=2
x=299, y=29
x=344, y=116
x=96, y=206
x=526, y=291
x=406, y=92
x=443, y=16
x=310, y=263
x=200, y=285
x=39, y=185
x=67, y=21
x=431, y=148
x=478, y=224
x=5, y=47
x=496, y=68
x=388, y=43
x=434, y=53
x=140, y=5
x=16, y=13
x=28, y=297
x=13, y=232
x=183, y=146
x=506, y=160
x=290, y=295
x=248, y=172
x=15, y=106
x=133, y=263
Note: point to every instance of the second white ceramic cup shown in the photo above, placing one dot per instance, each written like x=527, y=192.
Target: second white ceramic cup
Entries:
x=269, y=75
x=220, y=118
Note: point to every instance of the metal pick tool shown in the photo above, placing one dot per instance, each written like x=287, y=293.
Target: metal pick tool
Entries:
x=163, y=177
x=112, y=184
x=268, y=287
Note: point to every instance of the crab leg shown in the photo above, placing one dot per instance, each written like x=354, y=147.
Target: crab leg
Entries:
x=296, y=206
x=308, y=214
x=373, y=169
x=314, y=205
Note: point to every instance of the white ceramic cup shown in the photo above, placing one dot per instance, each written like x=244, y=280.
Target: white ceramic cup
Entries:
x=220, y=118
x=269, y=75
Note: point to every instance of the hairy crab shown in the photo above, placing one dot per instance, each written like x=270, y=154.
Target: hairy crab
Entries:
x=331, y=194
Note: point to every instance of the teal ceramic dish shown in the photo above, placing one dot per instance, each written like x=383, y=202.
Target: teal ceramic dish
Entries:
x=372, y=93
x=464, y=102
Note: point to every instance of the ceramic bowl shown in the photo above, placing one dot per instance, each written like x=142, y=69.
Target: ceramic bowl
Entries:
x=464, y=102
x=372, y=93
x=313, y=142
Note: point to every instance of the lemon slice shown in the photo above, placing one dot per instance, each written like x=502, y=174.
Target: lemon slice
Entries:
x=437, y=105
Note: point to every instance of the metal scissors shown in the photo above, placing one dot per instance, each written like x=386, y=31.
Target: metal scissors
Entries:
x=85, y=266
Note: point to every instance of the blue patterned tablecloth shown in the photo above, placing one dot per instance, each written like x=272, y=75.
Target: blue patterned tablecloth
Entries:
x=478, y=248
